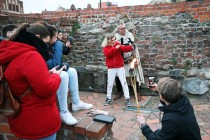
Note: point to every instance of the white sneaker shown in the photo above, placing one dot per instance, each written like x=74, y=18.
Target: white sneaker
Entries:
x=67, y=118
x=81, y=105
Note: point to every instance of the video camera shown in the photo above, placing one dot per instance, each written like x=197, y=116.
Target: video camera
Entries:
x=71, y=39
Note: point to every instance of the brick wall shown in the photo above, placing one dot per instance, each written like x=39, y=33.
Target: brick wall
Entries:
x=188, y=41
x=199, y=10
x=5, y=133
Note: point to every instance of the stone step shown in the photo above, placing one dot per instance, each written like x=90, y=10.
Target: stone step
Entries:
x=86, y=127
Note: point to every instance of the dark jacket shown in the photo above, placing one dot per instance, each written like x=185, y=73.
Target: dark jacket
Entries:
x=178, y=123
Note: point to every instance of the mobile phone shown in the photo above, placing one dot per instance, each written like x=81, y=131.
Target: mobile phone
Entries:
x=151, y=81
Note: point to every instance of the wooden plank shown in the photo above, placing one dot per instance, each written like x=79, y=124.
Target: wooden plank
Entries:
x=96, y=130
x=80, y=127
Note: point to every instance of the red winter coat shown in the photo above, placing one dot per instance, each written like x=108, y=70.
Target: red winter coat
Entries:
x=114, y=57
x=39, y=116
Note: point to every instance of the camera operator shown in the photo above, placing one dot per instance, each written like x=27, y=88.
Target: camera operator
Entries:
x=66, y=45
x=178, y=121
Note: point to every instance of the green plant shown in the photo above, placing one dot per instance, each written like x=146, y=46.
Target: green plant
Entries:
x=188, y=64
x=75, y=27
x=174, y=61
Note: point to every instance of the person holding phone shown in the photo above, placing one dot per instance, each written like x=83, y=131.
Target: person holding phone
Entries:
x=178, y=121
x=69, y=80
x=25, y=55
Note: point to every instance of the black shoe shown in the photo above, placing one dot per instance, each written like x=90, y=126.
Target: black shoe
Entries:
x=107, y=102
x=128, y=103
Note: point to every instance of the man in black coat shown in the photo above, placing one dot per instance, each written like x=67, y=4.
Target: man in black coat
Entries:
x=178, y=121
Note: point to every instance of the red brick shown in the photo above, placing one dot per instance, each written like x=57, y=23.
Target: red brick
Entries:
x=153, y=126
x=95, y=95
x=80, y=114
x=153, y=121
x=69, y=127
x=80, y=127
x=12, y=137
x=127, y=129
x=96, y=130
x=205, y=137
x=90, y=98
x=4, y=128
x=118, y=134
x=125, y=136
x=208, y=131
x=3, y=119
x=116, y=106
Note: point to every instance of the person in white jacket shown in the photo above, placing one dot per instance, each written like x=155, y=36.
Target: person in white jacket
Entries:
x=125, y=38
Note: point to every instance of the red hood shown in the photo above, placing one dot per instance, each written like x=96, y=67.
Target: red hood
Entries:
x=10, y=50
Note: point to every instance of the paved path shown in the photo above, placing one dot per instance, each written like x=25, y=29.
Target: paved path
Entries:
x=125, y=128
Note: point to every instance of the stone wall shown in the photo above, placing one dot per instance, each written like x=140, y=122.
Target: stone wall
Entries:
x=197, y=9
x=168, y=36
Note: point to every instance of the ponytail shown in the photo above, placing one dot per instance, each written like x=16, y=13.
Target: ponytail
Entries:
x=20, y=29
x=27, y=34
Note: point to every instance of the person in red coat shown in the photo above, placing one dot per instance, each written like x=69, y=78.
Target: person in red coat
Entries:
x=26, y=53
x=113, y=52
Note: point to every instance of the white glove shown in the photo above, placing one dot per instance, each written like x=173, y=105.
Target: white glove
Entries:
x=97, y=111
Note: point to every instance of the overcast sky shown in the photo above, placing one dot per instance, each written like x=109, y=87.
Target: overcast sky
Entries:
x=37, y=6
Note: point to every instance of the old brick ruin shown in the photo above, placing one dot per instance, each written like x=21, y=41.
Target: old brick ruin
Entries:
x=170, y=36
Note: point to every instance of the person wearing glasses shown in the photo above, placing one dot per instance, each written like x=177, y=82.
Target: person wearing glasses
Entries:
x=114, y=61
x=178, y=121
x=125, y=38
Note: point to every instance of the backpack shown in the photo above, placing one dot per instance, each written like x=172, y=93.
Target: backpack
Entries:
x=9, y=105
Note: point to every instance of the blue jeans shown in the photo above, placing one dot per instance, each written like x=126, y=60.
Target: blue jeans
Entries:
x=69, y=81
x=51, y=137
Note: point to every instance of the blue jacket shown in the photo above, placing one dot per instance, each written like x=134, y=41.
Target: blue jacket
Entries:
x=56, y=52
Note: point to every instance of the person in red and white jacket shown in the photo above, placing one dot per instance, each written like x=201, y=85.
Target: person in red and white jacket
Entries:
x=113, y=52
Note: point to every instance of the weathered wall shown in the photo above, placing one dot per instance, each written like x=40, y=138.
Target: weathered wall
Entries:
x=168, y=36
x=171, y=34
x=198, y=9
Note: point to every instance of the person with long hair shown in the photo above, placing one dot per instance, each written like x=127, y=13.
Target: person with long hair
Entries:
x=114, y=61
x=25, y=54
x=69, y=79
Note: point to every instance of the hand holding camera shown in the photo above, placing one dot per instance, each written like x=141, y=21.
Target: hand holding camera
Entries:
x=151, y=84
x=68, y=44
